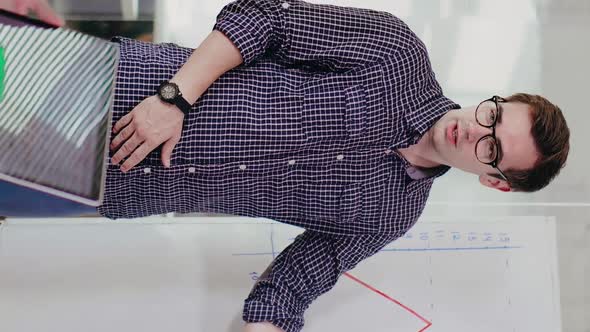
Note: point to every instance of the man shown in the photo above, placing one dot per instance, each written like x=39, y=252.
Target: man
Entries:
x=324, y=117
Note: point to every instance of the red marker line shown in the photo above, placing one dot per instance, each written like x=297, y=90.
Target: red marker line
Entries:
x=428, y=324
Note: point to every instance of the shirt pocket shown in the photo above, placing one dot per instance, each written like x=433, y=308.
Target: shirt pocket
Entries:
x=323, y=203
x=335, y=114
x=355, y=116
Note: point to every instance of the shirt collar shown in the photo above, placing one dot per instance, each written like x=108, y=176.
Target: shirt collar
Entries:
x=418, y=173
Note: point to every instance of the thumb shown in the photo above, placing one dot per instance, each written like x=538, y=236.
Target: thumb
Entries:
x=21, y=8
x=167, y=149
x=46, y=13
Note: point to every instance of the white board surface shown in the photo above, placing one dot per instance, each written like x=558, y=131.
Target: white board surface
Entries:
x=171, y=274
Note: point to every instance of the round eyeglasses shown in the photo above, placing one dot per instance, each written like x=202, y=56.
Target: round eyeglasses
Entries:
x=488, y=149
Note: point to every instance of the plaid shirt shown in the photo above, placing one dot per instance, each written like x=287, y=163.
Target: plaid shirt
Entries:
x=303, y=132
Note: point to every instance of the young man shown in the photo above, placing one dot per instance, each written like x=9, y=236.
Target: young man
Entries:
x=324, y=117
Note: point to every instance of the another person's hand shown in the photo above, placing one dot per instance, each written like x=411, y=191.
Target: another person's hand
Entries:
x=142, y=130
x=40, y=7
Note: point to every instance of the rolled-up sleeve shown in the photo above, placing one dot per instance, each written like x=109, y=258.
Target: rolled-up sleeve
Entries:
x=309, y=267
x=321, y=36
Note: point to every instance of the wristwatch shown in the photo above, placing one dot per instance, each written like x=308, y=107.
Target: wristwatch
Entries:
x=170, y=93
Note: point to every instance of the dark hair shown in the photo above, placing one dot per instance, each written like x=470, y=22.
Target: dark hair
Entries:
x=551, y=135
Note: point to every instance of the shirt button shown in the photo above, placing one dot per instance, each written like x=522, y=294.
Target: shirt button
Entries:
x=340, y=157
x=191, y=169
x=147, y=170
x=291, y=162
x=242, y=167
x=285, y=5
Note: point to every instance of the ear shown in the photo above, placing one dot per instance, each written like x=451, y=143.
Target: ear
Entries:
x=494, y=183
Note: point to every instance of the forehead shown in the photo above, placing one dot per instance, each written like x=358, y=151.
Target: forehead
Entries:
x=514, y=133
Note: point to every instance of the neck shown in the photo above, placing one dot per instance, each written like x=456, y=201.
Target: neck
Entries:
x=421, y=154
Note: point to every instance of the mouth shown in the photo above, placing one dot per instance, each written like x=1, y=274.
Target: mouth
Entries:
x=453, y=134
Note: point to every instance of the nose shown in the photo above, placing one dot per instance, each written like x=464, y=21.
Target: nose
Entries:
x=474, y=132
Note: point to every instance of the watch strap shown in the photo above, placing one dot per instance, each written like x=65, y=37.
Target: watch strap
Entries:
x=182, y=104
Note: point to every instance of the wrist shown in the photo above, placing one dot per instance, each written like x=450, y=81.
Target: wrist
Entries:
x=190, y=90
x=169, y=92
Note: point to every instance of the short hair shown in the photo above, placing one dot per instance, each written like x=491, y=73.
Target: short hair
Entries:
x=551, y=135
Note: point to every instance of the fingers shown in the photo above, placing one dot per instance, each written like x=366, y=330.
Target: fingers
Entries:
x=123, y=122
x=39, y=7
x=167, y=149
x=123, y=136
x=45, y=13
x=21, y=7
x=138, y=155
x=127, y=149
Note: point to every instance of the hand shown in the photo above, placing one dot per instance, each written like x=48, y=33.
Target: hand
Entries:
x=40, y=7
x=261, y=327
x=148, y=125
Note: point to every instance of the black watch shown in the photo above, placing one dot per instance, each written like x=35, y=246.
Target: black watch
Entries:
x=170, y=93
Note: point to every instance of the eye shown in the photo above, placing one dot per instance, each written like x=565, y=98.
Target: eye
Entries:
x=492, y=150
x=492, y=116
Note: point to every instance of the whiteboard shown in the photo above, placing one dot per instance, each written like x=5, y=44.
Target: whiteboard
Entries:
x=192, y=274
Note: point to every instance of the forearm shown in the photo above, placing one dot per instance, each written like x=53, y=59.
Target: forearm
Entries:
x=215, y=56
x=261, y=327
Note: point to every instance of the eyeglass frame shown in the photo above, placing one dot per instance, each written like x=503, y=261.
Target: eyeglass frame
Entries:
x=493, y=163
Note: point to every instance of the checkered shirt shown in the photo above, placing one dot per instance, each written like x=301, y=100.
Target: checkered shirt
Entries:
x=303, y=132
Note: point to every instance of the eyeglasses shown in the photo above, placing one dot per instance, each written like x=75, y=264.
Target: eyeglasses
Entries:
x=487, y=149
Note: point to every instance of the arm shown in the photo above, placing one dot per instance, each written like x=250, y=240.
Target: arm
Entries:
x=309, y=267
x=320, y=36
x=262, y=326
x=329, y=36
x=209, y=61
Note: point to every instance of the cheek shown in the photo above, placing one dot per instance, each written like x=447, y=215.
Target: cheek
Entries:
x=467, y=156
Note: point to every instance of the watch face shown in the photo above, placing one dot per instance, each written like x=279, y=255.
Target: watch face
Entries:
x=168, y=91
